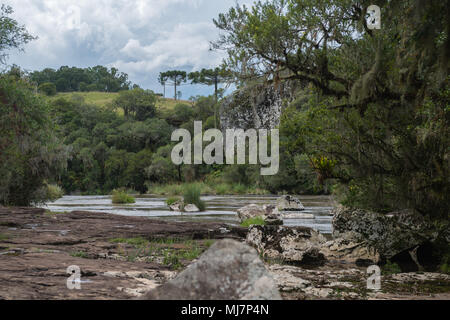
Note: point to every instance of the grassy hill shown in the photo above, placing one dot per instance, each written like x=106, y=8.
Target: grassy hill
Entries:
x=103, y=99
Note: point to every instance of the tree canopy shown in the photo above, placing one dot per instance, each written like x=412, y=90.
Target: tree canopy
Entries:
x=173, y=78
x=375, y=102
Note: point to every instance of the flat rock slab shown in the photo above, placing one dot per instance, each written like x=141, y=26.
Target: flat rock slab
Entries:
x=37, y=247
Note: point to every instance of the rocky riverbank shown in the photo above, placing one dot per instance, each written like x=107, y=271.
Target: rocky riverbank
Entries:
x=124, y=257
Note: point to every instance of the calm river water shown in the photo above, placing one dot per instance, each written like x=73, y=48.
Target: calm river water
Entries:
x=219, y=208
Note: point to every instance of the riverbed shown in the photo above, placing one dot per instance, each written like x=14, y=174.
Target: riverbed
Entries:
x=218, y=208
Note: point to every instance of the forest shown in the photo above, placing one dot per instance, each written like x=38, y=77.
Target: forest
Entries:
x=368, y=121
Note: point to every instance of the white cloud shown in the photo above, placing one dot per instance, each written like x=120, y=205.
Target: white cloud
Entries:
x=140, y=37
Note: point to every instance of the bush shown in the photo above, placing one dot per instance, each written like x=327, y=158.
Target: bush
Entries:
x=239, y=189
x=391, y=268
x=253, y=221
x=222, y=189
x=119, y=196
x=172, y=200
x=54, y=192
x=192, y=194
x=47, y=88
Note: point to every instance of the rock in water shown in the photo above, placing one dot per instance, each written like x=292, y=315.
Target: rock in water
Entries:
x=177, y=206
x=289, y=203
x=229, y=270
x=191, y=208
x=297, y=245
x=269, y=213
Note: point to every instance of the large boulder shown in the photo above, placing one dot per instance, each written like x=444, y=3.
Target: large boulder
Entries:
x=390, y=234
x=269, y=213
x=296, y=245
x=347, y=249
x=228, y=270
x=289, y=203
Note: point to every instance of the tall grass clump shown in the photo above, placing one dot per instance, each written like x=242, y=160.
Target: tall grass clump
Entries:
x=191, y=195
x=120, y=197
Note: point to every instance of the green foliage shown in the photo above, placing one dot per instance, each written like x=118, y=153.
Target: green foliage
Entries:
x=172, y=200
x=173, y=78
x=138, y=241
x=13, y=35
x=80, y=254
x=374, y=103
x=253, y=221
x=391, y=268
x=69, y=79
x=30, y=153
x=138, y=103
x=119, y=196
x=191, y=195
x=54, y=192
x=47, y=88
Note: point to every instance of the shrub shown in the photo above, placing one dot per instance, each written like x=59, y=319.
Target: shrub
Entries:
x=192, y=194
x=223, y=188
x=54, y=192
x=172, y=200
x=391, y=268
x=48, y=88
x=239, y=189
x=253, y=221
x=119, y=196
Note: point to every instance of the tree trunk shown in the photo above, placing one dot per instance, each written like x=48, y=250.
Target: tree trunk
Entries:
x=175, y=86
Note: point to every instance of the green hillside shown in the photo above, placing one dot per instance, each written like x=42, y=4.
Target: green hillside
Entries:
x=103, y=99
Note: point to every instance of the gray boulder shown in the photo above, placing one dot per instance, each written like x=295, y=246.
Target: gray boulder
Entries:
x=297, y=245
x=347, y=249
x=177, y=206
x=191, y=208
x=228, y=270
x=390, y=234
x=289, y=203
x=269, y=213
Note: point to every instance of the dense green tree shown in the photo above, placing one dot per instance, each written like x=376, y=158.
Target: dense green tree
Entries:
x=30, y=153
x=138, y=103
x=377, y=100
x=47, y=88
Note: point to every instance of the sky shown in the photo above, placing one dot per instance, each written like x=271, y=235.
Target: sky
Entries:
x=139, y=37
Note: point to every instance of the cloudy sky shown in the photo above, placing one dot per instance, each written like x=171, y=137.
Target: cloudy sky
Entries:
x=139, y=37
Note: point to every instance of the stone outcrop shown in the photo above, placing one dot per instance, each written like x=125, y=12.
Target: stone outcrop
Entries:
x=296, y=245
x=269, y=213
x=255, y=107
x=390, y=234
x=347, y=249
x=289, y=203
x=229, y=270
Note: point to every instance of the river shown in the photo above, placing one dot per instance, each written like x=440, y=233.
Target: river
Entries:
x=219, y=208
